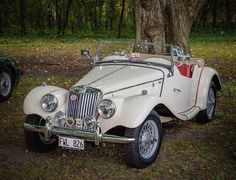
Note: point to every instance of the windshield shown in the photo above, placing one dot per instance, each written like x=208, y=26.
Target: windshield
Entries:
x=138, y=53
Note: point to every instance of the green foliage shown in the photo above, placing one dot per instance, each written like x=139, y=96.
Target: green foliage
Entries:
x=96, y=19
x=48, y=18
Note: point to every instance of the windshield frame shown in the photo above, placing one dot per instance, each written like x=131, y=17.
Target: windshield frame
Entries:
x=176, y=54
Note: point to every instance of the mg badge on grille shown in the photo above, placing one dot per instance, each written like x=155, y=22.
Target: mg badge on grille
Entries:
x=73, y=97
x=70, y=121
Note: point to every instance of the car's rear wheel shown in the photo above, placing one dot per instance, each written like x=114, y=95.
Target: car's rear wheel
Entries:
x=36, y=141
x=208, y=114
x=6, y=83
x=148, y=136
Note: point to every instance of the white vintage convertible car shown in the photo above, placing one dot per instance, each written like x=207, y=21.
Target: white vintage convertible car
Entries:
x=132, y=89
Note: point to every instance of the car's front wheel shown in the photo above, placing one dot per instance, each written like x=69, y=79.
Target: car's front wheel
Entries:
x=148, y=136
x=36, y=141
x=6, y=83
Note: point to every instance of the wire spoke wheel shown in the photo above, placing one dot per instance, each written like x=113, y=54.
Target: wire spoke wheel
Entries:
x=206, y=115
x=148, y=136
x=148, y=139
x=211, y=101
x=5, y=84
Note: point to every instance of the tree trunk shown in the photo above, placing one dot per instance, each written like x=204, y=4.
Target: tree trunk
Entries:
x=204, y=13
x=121, y=18
x=49, y=17
x=95, y=17
x=101, y=2
x=79, y=15
x=228, y=14
x=214, y=13
x=39, y=16
x=166, y=21
x=66, y=16
x=110, y=13
x=1, y=23
x=22, y=17
x=58, y=17
x=91, y=18
x=1, y=9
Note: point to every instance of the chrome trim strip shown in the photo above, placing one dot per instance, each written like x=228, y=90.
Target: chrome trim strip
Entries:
x=133, y=86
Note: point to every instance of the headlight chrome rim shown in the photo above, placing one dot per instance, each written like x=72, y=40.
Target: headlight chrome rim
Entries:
x=49, y=103
x=110, y=107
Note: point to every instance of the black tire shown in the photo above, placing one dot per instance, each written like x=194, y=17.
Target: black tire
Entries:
x=133, y=155
x=204, y=116
x=6, y=87
x=34, y=140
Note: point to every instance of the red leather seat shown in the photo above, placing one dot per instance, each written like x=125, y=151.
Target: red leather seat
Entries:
x=185, y=70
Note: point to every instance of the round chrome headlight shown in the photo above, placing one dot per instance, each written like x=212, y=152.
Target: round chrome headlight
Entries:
x=106, y=108
x=49, y=103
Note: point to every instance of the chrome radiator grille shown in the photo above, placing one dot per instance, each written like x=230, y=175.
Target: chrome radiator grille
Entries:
x=81, y=104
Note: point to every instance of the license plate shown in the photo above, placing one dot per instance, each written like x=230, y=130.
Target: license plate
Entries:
x=72, y=143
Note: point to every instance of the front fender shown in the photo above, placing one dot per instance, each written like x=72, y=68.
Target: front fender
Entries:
x=130, y=112
x=208, y=75
x=32, y=102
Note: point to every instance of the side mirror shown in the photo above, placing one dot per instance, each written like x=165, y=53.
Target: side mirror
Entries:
x=85, y=53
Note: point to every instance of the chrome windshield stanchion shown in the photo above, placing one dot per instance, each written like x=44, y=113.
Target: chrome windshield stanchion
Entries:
x=171, y=73
x=96, y=58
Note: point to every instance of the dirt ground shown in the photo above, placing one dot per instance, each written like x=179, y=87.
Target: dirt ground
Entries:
x=74, y=66
x=59, y=65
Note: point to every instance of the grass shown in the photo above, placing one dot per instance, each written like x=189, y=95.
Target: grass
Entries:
x=210, y=47
x=189, y=150
x=214, y=50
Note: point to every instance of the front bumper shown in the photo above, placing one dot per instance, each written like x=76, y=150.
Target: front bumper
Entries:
x=48, y=130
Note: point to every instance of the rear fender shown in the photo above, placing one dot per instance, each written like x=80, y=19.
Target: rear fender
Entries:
x=208, y=75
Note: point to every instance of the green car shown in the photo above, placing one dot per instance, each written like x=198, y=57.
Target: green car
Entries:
x=10, y=73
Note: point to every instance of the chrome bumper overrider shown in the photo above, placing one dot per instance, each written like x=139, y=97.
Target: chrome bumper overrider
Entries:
x=96, y=136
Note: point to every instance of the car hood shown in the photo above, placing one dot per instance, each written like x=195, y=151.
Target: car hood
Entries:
x=115, y=77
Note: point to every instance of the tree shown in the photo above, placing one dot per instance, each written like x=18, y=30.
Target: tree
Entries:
x=166, y=21
x=1, y=9
x=229, y=14
x=121, y=18
x=58, y=16
x=204, y=13
x=214, y=13
x=110, y=14
x=49, y=16
x=66, y=16
x=22, y=17
x=62, y=13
